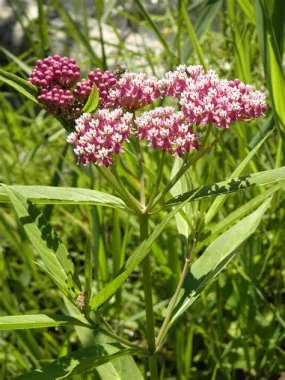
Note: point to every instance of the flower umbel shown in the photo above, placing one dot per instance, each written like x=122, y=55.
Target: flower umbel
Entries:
x=134, y=91
x=99, y=136
x=103, y=80
x=203, y=99
x=167, y=130
x=222, y=102
x=55, y=71
x=175, y=82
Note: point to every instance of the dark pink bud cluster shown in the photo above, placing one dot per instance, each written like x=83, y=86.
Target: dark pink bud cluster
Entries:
x=134, y=91
x=55, y=99
x=167, y=130
x=83, y=89
x=99, y=136
x=104, y=82
x=56, y=70
x=55, y=76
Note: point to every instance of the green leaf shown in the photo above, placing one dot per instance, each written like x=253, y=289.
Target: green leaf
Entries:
x=178, y=188
x=192, y=35
x=21, y=65
x=45, y=241
x=79, y=362
x=248, y=9
x=109, y=5
x=206, y=16
x=64, y=195
x=123, y=368
x=76, y=33
x=43, y=27
x=232, y=185
x=218, y=202
x=139, y=254
x=210, y=233
x=156, y=31
x=92, y=101
x=99, y=8
x=214, y=259
x=271, y=40
x=19, y=84
x=88, y=270
x=17, y=322
x=203, y=22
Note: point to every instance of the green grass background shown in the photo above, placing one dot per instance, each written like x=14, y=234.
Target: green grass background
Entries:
x=236, y=329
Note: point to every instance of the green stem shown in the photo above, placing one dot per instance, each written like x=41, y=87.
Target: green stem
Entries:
x=172, y=305
x=141, y=176
x=133, y=203
x=174, y=299
x=111, y=180
x=157, y=184
x=186, y=165
x=122, y=340
x=148, y=301
x=114, y=184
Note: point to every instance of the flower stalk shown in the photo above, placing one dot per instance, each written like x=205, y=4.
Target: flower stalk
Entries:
x=170, y=308
x=147, y=284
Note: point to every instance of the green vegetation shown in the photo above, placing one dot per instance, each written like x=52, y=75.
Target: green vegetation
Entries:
x=61, y=248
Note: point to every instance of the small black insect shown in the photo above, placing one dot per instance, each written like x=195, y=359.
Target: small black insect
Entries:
x=119, y=70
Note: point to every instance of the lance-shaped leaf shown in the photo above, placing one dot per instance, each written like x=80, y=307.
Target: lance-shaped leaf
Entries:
x=79, y=362
x=214, y=259
x=231, y=186
x=92, y=101
x=209, y=234
x=19, y=322
x=45, y=241
x=20, y=85
x=64, y=195
x=218, y=202
x=123, y=368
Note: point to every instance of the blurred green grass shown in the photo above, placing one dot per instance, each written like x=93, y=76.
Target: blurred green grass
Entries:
x=236, y=329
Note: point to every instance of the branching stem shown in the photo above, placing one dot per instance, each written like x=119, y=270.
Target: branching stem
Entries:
x=157, y=184
x=174, y=299
x=186, y=165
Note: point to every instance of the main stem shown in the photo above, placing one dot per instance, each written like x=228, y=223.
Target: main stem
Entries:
x=148, y=301
x=147, y=273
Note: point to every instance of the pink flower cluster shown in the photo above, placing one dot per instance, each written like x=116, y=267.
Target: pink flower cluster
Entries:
x=204, y=98
x=167, y=130
x=103, y=80
x=55, y=76
x=174, y=83
x=56, y=99
x=134, y=91
x=56, y=70
x=100, y=135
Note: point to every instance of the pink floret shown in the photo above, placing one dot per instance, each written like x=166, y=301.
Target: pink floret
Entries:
x=134, y=91
x=167, y=130
x=221, y=102
x=99, y=136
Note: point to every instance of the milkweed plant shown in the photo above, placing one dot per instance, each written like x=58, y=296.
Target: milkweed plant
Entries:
x=184, y=114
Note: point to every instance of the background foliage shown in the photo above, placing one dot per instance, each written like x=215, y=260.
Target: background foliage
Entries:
x=236, y=328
